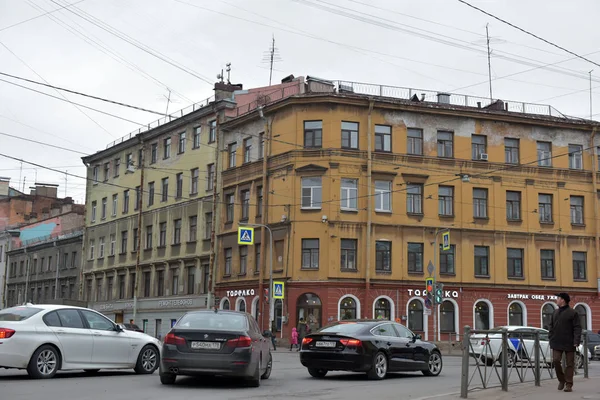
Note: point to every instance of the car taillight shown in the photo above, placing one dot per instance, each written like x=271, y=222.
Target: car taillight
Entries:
x=5, y=333
x=242, y=341
x=351, y=342
x=171, y=338
x=306, y=340
x=485, y=341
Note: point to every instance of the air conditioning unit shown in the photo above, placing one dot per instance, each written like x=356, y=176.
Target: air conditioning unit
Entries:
x=483, y=157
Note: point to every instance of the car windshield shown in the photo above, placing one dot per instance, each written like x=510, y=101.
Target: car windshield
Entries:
x=343, y=328
x=18, y=313
x=213, y=321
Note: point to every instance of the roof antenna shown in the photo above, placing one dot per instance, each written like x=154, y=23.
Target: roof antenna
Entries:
x=228, y=65
x=271, y=56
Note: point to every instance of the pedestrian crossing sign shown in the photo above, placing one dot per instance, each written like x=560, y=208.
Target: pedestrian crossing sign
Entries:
x=278, y=290
x=246, y=236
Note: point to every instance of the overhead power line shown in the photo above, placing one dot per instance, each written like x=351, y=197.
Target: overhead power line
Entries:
x=41, y=15
x=529, y=33
x=42, y=143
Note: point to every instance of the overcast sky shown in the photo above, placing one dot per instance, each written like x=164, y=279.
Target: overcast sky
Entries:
x=425, y=44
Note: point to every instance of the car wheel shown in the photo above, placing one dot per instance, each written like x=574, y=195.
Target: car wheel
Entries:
x=167, y=379
x=317, y=373
x=267, y=373
x=379, y=368
x=434, y=365
x=511, y=360
x=91, y=371
x=147, y=361
x=254, y=381
x=44, y=363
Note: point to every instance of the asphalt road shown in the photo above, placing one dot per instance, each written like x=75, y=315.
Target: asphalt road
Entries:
x=288, y=380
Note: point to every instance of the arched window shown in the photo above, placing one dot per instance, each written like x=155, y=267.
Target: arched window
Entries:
x=447, y=317
x=348, y=308
x=415, y=316
x=482, y=315
x=278, y=314
x=515, y=314
x=547, y=311
x=255, y=309
x=383, y=309
x=225, y=305
x=308, y=308
x=581, y=310
x=241, y=305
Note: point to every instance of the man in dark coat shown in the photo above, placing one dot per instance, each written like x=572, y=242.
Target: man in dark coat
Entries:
x=565, y=336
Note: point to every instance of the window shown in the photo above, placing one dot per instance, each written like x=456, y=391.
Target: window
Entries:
x=231, y=151
x=106, y=171
x=582, y=312
x=415, y=258
x=445, y=144
x=447, y=263
x=125, y=201
x=115, y=203
x=179, y=185
x=212, y=133
x=447, y=320
x=132, y=285
x=195, y=174
x=177, y=231
x=129, y=160
x=482, y=257
x=348, y=254
x=446, y=201
x=136, y=239
x=181, y=148
x=383, y=196
x=480, y=197
x=148, y=237
x=261, y=148
x=243, y=259
x=579, y=265
x=257, y=259
x=348, y=308
x=247, y=149
x=205, y=277
x=311, y=192
x=545, y=208
x=383, y=138
x=161, y=283
x=153, y=153
x=383, y=309
x=210, y=176
x=513, y=206
x=245, y=204
x=174, y=282
x=124, y=235
x=349, y=195
x=193, y=222
x=511, y=151
x=70, y=319
x=162, y=234
x=313, y=134
x=229, y=204
x=227, y=270
x=414, y=141
x=207, y=225
x=577, y=210
x=598, y=157
x=385, y=330
x=544, y=154
x=165, y=189
x=310, y=253
x=547, y=312
x=109, y=289
x=575, y=156
x=113, y=242
x=167, y=148
x=350, y=135
x=547, y=263
x=93, y=211
x=150, y=194
x=414, y=199
x=116, y=167
x=515, y=315
x=482, y=315
x=383, y=256
x=196, y=138
x=259, y=201
x=100, y=247
x=140, y=155
x=191, y=280
x=514, y=265
x=138, y=197
x=95, y=174
x=478, y=146
x=103, y=209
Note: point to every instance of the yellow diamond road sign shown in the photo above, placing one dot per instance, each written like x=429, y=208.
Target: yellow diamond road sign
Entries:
x=246, y=235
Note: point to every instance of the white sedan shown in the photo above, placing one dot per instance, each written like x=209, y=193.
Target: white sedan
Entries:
x=44, y=339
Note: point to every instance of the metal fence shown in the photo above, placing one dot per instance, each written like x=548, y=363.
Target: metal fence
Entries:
x=509, y=357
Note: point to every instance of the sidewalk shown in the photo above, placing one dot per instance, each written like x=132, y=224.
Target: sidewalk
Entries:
x=582, y=389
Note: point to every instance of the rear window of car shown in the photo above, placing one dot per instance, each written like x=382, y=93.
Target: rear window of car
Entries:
x=343, y=328
x=213, y=321
x=18, y=313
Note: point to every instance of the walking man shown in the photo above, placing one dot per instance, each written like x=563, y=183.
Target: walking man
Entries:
x=565, y=336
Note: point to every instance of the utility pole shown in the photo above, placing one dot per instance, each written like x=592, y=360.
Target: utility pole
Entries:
x=434, y=276
x=271, y=57
x=66, y=177
x=487, y=34
x=139, y=238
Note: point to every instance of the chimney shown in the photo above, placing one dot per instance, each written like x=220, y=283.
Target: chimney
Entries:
x=225, y=90
x=4, y=186
x=443, y=98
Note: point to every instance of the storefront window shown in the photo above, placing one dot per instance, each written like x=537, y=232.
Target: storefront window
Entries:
x=547, y=312
x=415, y=316
x=482, y=316
x=278, y=314
x=225, y=305
x=447, y=317
x=242, y=305
x=308, y=309
x=348, y=308
x=582, y=316
x=515, y=314
x=383, y=309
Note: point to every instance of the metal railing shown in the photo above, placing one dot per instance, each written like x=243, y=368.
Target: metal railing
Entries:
x=49, y=238
x=508, y=358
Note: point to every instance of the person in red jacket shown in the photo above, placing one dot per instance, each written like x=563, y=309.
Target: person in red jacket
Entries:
x=294, y=341
x=565, y=336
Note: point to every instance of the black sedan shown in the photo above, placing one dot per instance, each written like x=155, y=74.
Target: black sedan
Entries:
x=227, y=343
x=372, y=346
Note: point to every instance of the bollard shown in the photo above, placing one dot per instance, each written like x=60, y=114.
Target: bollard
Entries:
x=585, y=356
x=536, y=355
x=464, y=378
x=504, y=360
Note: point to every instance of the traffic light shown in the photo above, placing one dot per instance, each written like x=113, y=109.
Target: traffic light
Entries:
x=267, y=297
x=429, y=288
x=439, y=290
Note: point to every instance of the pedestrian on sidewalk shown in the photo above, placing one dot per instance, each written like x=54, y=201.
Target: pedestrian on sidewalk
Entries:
x=294, y=341
x=565, y=336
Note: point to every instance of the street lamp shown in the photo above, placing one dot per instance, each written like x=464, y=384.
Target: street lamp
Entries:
x=270, y=269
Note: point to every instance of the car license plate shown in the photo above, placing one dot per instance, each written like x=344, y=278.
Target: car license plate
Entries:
x=326, y=344
x=206, y=345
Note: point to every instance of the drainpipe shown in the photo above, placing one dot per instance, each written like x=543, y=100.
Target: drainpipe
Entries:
x=369, y=202
x=57, y=269
x=596, y=205
x=212, y=263
x=265, y=221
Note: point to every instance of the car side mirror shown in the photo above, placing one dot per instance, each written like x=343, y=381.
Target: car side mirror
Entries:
x=416, y=337
x=119, y=328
